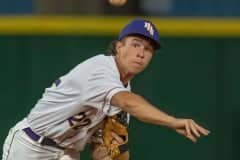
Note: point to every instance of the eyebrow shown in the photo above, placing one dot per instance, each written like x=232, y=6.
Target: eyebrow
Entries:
x=137, y=39
x=141, y=41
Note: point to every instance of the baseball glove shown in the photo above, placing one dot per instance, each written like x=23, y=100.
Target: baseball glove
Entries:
x=114, y=139
x=114, y=126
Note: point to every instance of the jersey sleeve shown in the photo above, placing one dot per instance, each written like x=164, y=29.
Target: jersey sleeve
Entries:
x=102, y=84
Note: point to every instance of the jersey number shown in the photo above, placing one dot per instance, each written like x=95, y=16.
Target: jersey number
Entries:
x=79, y=120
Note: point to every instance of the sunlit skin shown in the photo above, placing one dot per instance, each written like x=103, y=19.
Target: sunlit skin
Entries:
x=134, y=53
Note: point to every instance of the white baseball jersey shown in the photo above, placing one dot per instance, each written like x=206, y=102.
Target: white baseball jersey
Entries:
x=78, y=101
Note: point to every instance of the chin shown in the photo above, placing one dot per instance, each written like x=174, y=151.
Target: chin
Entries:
x=135, y=71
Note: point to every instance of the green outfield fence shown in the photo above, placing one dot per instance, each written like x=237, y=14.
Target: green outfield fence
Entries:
x=196, y=75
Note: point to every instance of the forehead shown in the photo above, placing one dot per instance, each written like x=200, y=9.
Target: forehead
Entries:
x=140, y=39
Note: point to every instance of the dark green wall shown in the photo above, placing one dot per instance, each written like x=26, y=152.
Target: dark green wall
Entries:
x=190, y=77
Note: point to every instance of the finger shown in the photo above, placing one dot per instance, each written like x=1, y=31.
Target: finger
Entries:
x=115, y=142
x=194, y=130
x=181, y=131
x=117, y=137
x=201, y=129
x=192, y=138
x=187, y=127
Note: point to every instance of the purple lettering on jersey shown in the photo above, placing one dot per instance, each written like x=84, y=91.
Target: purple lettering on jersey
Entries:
x=78, y=121
x=57, y=82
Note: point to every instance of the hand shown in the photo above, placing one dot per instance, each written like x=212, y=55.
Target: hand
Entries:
x=189, y=128
x=100, y=152
x=116, y=139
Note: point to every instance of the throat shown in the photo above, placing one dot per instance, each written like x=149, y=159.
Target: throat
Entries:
x=125, y=78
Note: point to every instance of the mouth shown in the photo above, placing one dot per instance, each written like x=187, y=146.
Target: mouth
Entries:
x=139, y=63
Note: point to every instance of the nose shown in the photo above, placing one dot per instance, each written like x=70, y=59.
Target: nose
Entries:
x=141, y=53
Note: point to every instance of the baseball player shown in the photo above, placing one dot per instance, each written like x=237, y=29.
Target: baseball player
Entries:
x=72, y=111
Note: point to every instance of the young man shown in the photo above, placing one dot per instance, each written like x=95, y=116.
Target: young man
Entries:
x=72, y=110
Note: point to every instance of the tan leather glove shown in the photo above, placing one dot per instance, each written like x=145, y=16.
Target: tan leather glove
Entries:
x=115, y=137
x=111, y=141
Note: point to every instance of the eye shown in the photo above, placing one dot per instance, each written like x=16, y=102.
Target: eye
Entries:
x=135, y=45
x=149, y=49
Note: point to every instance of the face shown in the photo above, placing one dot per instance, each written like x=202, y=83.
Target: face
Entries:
x=133, y=54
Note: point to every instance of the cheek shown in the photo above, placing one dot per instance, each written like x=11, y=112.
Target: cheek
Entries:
x=126, y=56
x=148, y=58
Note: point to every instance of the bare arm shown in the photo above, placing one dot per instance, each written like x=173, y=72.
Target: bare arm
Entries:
x=138, y=107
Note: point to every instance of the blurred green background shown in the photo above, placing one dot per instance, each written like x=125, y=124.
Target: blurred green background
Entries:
x=195, y=75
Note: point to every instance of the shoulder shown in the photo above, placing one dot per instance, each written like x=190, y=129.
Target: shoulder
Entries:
x=103, y=68
x=104, y=63
x=102, y=60
x=97, y=67
x=93, y=63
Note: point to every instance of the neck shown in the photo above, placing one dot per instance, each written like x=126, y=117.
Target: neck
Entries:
x=125, y=76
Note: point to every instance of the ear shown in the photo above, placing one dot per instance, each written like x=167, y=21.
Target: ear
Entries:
x=118, y=46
